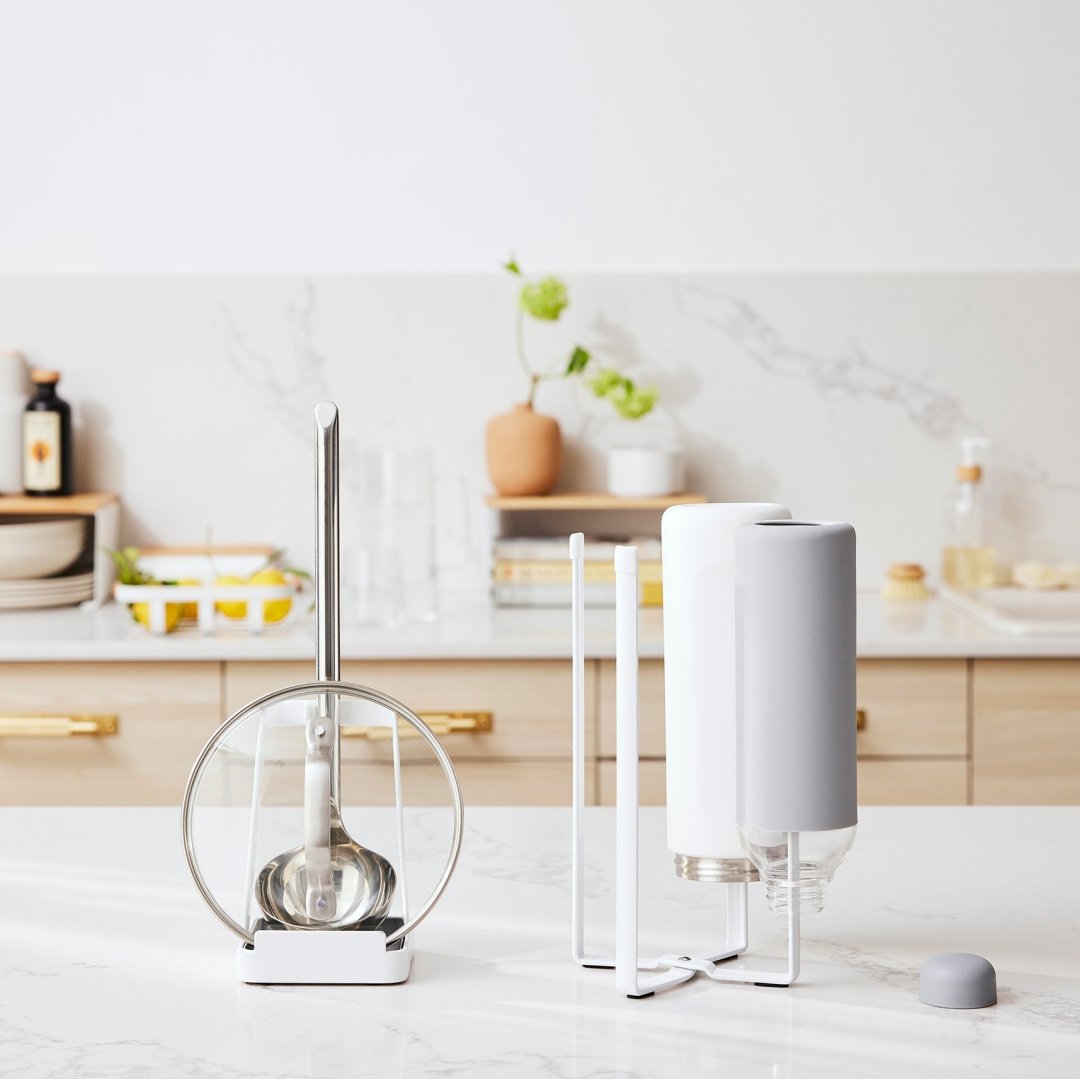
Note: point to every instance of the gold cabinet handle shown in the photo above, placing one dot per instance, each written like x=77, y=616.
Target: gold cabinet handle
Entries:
x=860, y=719
x=439, y=722
x=57, y=726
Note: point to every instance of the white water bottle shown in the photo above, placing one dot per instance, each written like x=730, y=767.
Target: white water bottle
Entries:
x=698, y=548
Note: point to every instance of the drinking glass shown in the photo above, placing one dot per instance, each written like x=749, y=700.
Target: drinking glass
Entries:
x=391, y=574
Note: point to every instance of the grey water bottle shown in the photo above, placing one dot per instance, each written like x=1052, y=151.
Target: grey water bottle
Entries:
x=795, y=702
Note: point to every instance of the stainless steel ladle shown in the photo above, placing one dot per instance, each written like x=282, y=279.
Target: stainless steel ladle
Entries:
x=331, y=881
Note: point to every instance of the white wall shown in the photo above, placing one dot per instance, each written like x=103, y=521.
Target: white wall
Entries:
x=323, y=135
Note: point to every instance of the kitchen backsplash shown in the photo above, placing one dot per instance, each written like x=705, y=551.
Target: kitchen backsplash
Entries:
x=843, y=396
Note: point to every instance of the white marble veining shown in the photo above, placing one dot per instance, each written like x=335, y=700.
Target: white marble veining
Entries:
x=841, y=395
x=470, y=628
x=849, y=371
x=111, y=966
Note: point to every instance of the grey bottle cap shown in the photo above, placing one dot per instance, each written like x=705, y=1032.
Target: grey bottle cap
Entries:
x=958, y=980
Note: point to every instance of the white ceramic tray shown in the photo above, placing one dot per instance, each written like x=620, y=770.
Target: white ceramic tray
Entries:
x=1021, y=612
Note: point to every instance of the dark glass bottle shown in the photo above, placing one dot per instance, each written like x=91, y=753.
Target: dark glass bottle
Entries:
x=47, y=448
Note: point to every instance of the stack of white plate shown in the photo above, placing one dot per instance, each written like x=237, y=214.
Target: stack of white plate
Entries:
x=36, y=559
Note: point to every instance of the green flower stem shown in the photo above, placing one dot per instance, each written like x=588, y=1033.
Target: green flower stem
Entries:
x=520, y=327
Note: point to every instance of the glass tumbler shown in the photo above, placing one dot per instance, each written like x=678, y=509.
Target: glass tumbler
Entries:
x=391, y=573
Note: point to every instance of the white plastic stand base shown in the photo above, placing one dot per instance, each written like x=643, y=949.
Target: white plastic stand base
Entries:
x=289, y=957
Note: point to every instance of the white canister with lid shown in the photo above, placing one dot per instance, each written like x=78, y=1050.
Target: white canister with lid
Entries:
x=14, y=391
x=644, y=471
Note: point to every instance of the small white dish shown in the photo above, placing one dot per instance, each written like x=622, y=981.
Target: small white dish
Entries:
x=55, y=592
x=40, y=586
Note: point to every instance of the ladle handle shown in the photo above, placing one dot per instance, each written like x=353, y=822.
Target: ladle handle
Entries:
x=321, y=899
x=321, y=766
x=327, y=539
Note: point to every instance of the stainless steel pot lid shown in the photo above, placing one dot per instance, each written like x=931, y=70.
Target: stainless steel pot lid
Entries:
x=244, y=802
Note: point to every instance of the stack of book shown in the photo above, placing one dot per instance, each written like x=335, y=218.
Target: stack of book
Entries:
x=534, y=571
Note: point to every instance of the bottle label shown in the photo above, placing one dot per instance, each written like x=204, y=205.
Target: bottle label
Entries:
x=41, y=451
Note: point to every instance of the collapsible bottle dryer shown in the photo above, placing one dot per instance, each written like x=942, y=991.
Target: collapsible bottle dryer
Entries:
x=759, y=624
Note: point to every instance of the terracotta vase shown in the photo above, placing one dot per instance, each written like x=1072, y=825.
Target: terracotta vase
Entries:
x=524, y=452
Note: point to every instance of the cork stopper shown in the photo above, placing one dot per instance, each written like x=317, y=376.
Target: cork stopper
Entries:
x=43, y=375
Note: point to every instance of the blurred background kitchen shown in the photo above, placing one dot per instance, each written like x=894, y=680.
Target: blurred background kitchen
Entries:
x=835, y=237
x=844, y=394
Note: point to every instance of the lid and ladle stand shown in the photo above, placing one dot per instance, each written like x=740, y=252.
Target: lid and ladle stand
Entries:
x=329, y=909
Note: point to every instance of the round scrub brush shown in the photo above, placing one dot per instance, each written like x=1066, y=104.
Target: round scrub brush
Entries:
x=906, y=581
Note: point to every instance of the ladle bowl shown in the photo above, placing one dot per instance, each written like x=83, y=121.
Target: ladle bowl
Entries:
x=363, y=883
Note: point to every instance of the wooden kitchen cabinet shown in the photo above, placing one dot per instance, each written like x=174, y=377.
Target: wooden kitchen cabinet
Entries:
x=166, y=711
x=913, y=746
x=524, y=759
x=914, y=742
x=1027, y=731
x=155, y=718
x=937, y=731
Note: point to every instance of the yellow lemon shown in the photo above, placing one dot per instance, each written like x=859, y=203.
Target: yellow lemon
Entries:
x=141, y=613
x=274, y=610
x=232, y=608
x=189, y=611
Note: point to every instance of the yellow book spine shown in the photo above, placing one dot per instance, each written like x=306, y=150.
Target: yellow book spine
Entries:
x=505, y=571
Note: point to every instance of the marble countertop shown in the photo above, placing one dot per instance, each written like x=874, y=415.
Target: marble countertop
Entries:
x=111, y=965
x=470, y=628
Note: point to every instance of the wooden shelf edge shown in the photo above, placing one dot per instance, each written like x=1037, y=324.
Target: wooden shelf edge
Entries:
x=590, y=500
x=80, y=503
x=264, y=549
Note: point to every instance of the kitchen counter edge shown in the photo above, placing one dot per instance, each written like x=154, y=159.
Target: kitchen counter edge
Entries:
x=471, y=629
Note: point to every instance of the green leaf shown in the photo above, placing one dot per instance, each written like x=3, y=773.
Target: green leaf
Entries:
x=126, y=570
x=627, y=398
x=545, y=299
x=605, y=382
x=579, y=360
x=637, y=402
x=512, y=266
